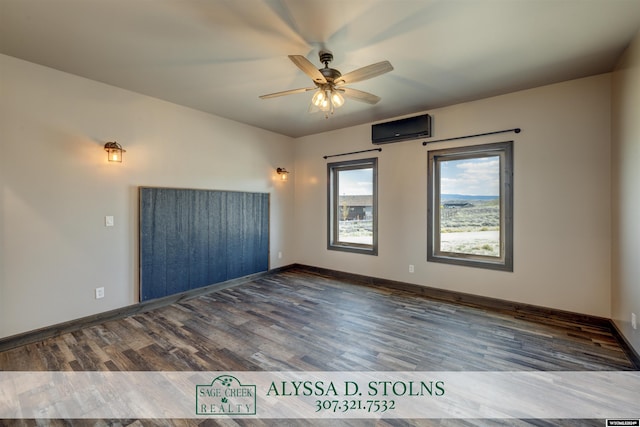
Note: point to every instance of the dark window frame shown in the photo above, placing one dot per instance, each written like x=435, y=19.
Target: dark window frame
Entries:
x=333, y=242
x=434, y=254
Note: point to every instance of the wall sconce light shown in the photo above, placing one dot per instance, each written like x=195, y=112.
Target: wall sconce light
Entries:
x=114, y=151
x=283, y=174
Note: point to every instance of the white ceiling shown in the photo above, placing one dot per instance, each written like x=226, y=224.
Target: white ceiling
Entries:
x=218, y=56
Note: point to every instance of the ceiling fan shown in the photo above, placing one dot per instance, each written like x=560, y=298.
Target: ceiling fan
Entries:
x=330, y=83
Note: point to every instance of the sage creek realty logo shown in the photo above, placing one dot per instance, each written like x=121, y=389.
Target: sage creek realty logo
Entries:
x=225, y=396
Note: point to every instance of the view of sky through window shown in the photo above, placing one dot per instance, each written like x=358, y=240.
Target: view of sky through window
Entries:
x=356, y=182
x=471, y=177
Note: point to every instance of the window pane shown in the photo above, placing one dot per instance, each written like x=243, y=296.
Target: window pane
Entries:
x=355, y=206
x=351, y=206
x=470, y=206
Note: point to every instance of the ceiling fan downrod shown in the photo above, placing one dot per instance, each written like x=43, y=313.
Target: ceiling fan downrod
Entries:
x=330, y=74
x=325, y=57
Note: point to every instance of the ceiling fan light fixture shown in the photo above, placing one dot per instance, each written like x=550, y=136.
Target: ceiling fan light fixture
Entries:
x=326, y=105
x=337, y=99
x=319, y=98
x=329, y=83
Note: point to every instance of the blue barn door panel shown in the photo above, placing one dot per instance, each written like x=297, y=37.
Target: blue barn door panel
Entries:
x=177, y=242
x=153, y=242
x=195, y=238
x=217, y=243
x=261, y=262
x=235, y=238
x=199, y=241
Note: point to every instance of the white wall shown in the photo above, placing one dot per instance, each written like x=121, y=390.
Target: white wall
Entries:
x=562, y=236
x=626, y=192
x=56, y=187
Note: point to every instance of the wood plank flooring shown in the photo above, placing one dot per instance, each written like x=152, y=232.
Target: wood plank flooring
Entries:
x=304, y=321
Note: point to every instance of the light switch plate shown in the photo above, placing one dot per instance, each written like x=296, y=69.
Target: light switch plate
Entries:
x=108, y=221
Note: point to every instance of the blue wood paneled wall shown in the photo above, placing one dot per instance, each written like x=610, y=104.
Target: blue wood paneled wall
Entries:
x=194, y=238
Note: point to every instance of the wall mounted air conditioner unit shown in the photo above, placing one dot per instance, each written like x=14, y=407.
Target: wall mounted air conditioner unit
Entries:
x=401, y=130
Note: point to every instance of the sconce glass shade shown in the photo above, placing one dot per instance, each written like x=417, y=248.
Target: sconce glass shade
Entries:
x=114, y=151
x=283, y=174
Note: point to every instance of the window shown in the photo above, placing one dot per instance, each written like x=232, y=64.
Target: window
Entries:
x=352, y=206
x=470, y=206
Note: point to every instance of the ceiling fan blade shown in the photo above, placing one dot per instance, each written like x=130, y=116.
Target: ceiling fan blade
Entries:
x=359, y=95
x=286, y=92
x=365, y=73
x=309, y=69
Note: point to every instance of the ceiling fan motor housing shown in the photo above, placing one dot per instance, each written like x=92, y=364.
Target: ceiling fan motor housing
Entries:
x=331, y=74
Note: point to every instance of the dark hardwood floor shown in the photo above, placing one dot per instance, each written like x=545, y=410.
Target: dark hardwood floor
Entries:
x=300, y=320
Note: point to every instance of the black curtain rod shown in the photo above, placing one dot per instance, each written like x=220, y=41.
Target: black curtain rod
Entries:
x=353, y=152
x=516, y=130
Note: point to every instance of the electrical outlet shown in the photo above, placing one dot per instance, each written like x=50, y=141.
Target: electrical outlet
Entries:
x=99, y=292
x=411, y=268
x=108, y=221
x=634, y=324
x=279, y=255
